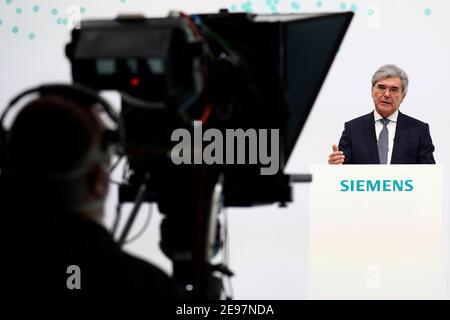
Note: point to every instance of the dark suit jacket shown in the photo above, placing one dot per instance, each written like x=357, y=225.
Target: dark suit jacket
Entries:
x=412, y=142
x=39, y=245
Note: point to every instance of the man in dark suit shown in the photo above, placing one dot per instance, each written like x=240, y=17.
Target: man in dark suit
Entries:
x=385, y=136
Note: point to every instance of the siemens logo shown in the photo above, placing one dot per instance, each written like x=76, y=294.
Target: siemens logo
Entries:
x=377, y=185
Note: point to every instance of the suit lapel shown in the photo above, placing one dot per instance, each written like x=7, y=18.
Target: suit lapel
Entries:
x=401, y=135
x=371, y=138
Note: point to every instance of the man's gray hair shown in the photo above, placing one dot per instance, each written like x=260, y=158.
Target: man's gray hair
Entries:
x=391, y=71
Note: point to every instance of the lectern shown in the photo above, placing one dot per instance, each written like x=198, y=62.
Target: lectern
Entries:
x=377, y=232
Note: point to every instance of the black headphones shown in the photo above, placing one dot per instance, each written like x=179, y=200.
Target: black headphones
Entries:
x=82, y=95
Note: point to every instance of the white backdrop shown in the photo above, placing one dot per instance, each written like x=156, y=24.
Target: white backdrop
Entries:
x=268, y=245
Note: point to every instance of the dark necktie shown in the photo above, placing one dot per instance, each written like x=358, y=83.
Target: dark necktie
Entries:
x=383, y=142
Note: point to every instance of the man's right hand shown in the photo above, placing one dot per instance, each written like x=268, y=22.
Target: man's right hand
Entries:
x=337, y=157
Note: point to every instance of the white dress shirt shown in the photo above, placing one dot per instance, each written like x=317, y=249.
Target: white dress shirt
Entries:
x=391, y=126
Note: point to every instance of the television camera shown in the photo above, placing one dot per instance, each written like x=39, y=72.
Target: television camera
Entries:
x=254, y=74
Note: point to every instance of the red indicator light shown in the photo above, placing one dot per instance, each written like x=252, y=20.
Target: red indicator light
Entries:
x=135, y=82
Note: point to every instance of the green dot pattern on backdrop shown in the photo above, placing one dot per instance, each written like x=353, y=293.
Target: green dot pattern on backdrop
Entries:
x=22, y=8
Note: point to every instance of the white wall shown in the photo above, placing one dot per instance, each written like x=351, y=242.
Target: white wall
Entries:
x=268, y=245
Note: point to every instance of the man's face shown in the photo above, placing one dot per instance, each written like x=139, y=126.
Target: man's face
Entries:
x=387, y=96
